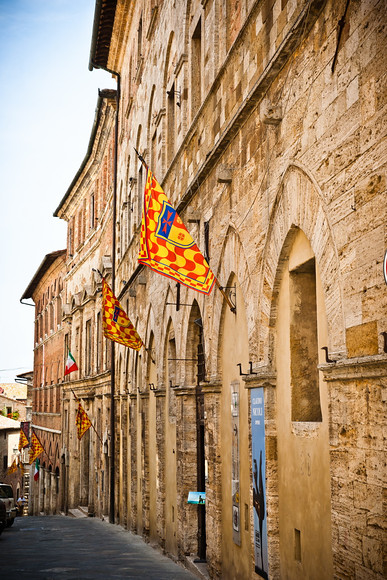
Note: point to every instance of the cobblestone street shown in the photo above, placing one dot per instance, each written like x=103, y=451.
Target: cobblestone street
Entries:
x=59, y=547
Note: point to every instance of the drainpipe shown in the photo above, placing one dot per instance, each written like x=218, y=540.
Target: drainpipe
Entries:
x=113, y=366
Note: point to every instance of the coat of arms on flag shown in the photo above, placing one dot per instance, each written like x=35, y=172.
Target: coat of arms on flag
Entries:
x=36, y=448
x=115, y=322
x=166, y=246
x=82, y=421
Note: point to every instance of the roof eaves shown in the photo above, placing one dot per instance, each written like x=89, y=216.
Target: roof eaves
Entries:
x=104, y=15
x=46, y=263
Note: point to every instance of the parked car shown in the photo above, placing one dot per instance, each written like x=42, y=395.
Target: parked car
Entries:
x=3, y=516
x=6, y=494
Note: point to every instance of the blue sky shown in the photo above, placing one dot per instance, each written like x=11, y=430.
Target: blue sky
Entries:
x=47, y=103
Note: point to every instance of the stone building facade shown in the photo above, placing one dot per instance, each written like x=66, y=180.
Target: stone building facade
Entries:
x=46, y=291
x=264, y=122
x=87, y=208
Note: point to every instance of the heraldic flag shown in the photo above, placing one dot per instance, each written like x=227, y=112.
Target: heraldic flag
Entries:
x=36, y=448
x=166, y=245
x=115, y=321
x=82, y=421
x=23, y=441
x=12, y=468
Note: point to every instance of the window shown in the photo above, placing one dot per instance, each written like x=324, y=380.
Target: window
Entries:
x=139, y=42
x=171, y=124
x=92, y=212
x=304, y=343
x=99, y=343
x=88, y=350
x=77, y=349
x=196, y=68
x=52, y=318
x=66, y=351
x=58, y=312
x=70, y=241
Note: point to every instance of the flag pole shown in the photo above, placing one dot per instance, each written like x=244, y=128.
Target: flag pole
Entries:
x=96, y=432
x=141, y=158
x=227, y=299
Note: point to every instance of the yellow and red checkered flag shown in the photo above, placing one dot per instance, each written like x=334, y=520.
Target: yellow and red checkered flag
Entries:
x=36, y=448
x=23, y=441
x=82, y=421
x=12, y=468
x=166, y=246
x=115, y=322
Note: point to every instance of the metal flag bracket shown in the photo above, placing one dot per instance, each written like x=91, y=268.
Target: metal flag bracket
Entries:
x=230, y=297
x=251, y=372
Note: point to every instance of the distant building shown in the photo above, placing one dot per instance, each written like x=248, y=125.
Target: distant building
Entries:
x=13, y=401
x=9, y=442
x=46, y=289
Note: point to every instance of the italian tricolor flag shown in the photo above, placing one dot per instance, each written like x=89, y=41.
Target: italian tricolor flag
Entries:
x=36, y=471
x=71, y=365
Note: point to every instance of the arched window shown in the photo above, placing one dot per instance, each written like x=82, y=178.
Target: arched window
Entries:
x=196, y=68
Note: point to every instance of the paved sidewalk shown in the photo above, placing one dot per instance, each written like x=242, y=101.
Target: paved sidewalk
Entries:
x=59, y=547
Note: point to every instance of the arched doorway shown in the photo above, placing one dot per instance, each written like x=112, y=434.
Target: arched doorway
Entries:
x=302, y=416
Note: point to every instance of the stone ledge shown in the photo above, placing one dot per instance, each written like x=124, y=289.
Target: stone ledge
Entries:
x=264, y=377
x=366, y=367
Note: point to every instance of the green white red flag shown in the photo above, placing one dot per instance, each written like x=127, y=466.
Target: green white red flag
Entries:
x=71, y=365
x=36, y=470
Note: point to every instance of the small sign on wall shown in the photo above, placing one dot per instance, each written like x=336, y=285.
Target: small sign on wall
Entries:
x=197, y=497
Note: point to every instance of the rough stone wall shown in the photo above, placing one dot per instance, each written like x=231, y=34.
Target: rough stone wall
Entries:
x=358, y=468
x=279, y=142
x=160, y=473
x=213, y=485
x=186, y=441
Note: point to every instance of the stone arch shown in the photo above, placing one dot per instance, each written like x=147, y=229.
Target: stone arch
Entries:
x=150, y=338
x=233, y=264
x=192, y=337
x=299, y=204
x=168, y=62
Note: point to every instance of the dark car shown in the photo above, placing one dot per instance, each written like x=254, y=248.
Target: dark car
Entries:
x=6, y=494
x=3, y=516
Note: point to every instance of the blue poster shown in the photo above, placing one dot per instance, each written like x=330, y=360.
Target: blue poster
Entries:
x=259, y=482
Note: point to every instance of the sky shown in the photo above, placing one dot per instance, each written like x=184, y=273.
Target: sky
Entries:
x=47, y=104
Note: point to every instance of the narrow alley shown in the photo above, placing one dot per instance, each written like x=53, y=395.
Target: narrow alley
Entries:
x=59, y=547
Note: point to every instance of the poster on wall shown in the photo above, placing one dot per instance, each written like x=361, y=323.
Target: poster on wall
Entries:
x=235, y=493
x=259, y=482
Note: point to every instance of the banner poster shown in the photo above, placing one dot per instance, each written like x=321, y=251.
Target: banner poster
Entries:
x=259, y=481
x=235, y=493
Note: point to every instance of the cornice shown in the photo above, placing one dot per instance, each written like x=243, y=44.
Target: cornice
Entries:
x=264, y=377
x=369, y=367
x=184, y=391
x=211, y=388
